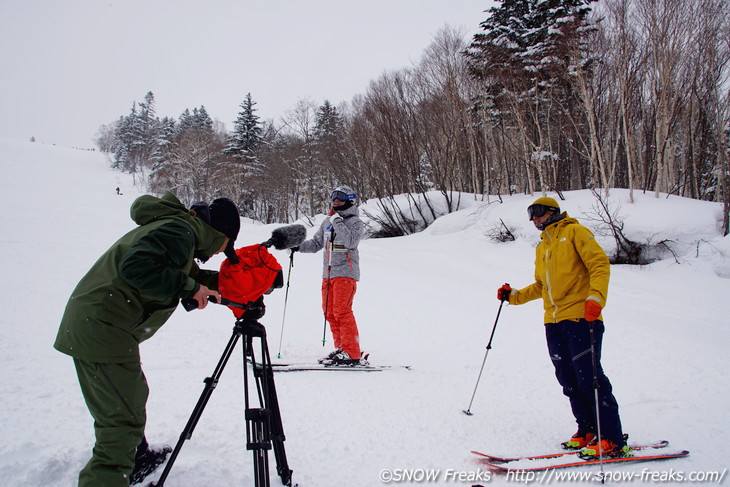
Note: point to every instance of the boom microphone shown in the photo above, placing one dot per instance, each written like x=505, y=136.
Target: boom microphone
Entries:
x=286, y=237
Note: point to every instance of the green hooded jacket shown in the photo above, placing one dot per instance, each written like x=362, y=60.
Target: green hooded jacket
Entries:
x=134, y=287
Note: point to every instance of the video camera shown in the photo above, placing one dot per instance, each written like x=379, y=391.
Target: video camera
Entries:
x=243, y=285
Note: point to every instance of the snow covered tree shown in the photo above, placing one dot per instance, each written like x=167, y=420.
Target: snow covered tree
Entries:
x=328, y=124
x=551, y=95
x=243, y=169
x=137, y=137
x=190, y=158
x=105, y=137
x=124, y=141
x=329, y=149
x=168, y=129
x=523, y=61
x=299, y=124
x=246, y=135
x=197, y=119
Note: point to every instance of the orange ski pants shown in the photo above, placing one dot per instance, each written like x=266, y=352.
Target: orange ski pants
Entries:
x=337, y=296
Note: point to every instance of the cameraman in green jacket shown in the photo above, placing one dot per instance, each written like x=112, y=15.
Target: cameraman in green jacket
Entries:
x=126, y=296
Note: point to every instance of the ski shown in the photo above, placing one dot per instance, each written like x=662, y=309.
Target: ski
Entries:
x=493, y=458
x=511, y=467
x=337, y=368
x=303, y=367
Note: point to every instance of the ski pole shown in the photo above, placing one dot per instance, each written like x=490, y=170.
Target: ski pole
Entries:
x=286, y=299
x=467, y=411
x=595, y=398
x=329, y=276
x=326, y=307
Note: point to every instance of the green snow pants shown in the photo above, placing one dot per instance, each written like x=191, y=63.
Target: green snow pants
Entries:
x=116, y=395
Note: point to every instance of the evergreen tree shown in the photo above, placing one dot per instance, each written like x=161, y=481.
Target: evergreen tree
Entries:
x=246, y=135
x=168, y=129
x=197, y=119
x=328, y=124
x=524, y=60
x=148, y=132
x=329, y=150
x=124, y=140
x=527, y=45
x=245, y=172
x=191, y=157
x=137, y=137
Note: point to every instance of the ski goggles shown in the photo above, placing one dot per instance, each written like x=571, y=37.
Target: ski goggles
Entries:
x=537, y=211
x=341, y=196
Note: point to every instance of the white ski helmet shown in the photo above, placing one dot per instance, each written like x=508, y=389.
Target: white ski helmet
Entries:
x=343, y=193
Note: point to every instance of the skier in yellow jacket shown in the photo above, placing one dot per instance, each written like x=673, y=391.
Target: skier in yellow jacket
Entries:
x=571, y=277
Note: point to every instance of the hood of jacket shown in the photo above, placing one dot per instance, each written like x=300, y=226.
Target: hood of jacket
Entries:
x=147, y=209
x=555, y=227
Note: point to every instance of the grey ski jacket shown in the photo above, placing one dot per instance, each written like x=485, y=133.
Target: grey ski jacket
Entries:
x=341, y=257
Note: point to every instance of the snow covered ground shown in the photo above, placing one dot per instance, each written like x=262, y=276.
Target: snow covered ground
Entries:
x=426, y=300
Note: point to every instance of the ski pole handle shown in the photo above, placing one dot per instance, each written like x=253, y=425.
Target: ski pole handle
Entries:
x=504, y=292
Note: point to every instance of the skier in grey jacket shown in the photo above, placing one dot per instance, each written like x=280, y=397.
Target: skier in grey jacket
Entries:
x=339, y=235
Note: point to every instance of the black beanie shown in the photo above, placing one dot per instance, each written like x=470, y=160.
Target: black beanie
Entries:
x=201, y=210
x=224, y=217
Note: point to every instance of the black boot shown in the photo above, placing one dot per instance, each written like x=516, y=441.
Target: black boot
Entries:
x=147, y=460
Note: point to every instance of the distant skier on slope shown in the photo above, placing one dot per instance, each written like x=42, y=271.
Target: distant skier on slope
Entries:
x=571, y=276
x=340, y=235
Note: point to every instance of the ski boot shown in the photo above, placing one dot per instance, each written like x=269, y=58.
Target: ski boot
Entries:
x=342, y=358
x=579, y=440
x=329, y=356
x=607, y=448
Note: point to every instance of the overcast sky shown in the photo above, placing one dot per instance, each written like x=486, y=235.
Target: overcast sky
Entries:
x=69, y=66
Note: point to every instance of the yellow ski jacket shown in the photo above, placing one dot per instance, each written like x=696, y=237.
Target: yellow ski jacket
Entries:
x=570, y=268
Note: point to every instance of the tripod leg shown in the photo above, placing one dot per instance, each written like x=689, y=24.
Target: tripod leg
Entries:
x=277, y=428
x=257, y=423
x=258, y=432
x=264, y=376
x=210, y=383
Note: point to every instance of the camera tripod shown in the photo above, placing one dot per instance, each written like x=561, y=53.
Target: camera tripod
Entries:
x=263, y=423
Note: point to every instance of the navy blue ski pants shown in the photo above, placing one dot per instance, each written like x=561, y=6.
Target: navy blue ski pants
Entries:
x=569, y=344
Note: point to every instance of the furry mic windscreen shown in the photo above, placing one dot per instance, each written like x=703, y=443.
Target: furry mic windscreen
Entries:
x=287, y=237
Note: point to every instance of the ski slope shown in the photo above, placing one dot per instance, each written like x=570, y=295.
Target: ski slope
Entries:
x=425, y=300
